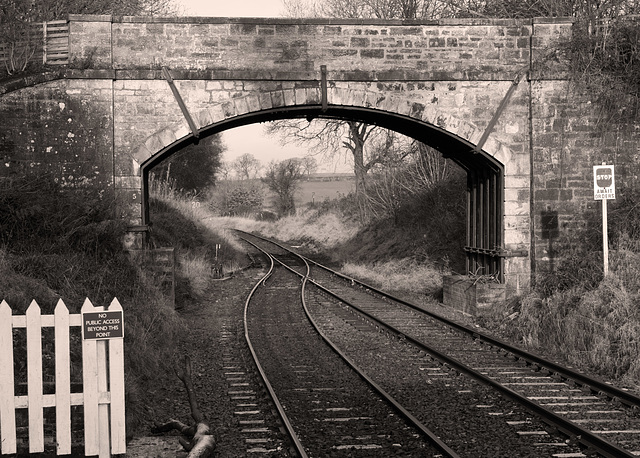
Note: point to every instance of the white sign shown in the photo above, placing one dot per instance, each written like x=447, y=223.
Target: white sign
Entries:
x=604, y=184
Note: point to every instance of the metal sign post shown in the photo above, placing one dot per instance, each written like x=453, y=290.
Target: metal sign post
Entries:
x=604, y=188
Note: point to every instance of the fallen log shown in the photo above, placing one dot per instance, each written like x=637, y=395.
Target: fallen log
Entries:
x=197, y=438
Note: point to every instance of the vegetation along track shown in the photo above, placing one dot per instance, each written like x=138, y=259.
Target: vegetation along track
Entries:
x=327, y=407
x=574, y=414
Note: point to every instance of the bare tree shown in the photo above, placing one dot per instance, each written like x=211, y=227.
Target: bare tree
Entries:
x=247, y=167
x=309, y=165
x=368, y=146
x=379, y=9
x=434, y=9
x=283, y=179
x=427, y=167
x=224, y=170
x=419, y=172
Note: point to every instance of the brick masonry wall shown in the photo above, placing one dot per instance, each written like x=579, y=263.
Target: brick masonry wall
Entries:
x=443, y=50
x=470, y=296
x=569, y=138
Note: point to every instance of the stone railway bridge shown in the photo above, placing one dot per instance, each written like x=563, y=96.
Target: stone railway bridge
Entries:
x=492, y=95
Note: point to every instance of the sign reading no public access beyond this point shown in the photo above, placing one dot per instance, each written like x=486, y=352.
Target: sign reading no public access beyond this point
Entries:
x=604, y=185
x=102, y=325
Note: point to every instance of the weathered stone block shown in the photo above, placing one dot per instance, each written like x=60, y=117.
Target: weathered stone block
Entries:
x=372, y=53
x=241, y=105
x=471, y=296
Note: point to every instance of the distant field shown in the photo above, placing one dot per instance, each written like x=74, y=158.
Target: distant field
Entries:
x=319, y=191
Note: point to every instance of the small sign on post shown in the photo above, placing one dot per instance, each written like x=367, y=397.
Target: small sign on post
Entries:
x=604, y=188
x=604, y=184
x=102, y=325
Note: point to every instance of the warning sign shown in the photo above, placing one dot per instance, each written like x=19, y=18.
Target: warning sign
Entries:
x=102, y=325
x=604, y=185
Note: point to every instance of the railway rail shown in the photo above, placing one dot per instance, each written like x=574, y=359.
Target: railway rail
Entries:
x=573, y=414
x=327, y=409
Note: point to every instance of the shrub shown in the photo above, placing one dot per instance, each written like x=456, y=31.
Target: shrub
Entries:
x=591, y=321
x=236, y=198
x=606, y=62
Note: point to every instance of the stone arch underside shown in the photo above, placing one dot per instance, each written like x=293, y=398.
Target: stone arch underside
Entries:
x=488, y=233
x=311, y=98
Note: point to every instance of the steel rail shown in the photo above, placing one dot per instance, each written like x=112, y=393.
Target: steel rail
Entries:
x=432, y=437
x=283, y=416
x=381, y=391
x=570, y=429
x=598, y=386
x=573, y=431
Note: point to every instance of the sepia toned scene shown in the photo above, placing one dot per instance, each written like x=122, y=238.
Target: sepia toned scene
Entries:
x=320, y=228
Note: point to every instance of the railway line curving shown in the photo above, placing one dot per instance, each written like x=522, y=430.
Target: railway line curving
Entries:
x=478, y=395
x=329, y=409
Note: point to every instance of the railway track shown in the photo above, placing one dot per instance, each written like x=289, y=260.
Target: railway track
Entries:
x=328, y=409
x=507, y=403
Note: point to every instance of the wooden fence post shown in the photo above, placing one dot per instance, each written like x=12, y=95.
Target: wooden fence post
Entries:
x=116, y=386
x=90, y=390
x=34, y=378
x=63, y=380
x=7, y=402
x=103, y=437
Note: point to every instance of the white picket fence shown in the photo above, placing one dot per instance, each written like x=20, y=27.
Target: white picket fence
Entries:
x=103, y=383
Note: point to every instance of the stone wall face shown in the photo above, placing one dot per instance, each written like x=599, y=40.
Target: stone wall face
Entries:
x=442, y=50
x=569, y=138
x=113, y=109
x=63, y=128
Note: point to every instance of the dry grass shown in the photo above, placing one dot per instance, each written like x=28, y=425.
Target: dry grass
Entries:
x=195, y=267
x=597, y=329
x=305, y=228
x=399, y=275
x=62, y=243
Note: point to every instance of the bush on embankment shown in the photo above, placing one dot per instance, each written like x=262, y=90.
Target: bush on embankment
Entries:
x=64, y=243
x=203, y=250
x=574, y=312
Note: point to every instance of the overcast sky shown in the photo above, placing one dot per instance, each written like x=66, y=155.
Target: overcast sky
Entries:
x=249, y=139
x=233, y=8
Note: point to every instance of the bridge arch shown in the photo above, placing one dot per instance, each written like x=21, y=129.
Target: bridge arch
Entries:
x=455, y=138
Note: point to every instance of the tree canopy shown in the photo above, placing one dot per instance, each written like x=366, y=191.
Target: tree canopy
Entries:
x=193, y=168
x=247, y=167
x=283, y=178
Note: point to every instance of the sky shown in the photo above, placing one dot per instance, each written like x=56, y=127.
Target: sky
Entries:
x=233, y=8
x=250, y=139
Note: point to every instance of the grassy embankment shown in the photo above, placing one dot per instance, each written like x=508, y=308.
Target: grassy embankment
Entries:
x=58, y=243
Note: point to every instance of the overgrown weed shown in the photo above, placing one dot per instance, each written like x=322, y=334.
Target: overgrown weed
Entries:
x=400, y=275
x=590, y=320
